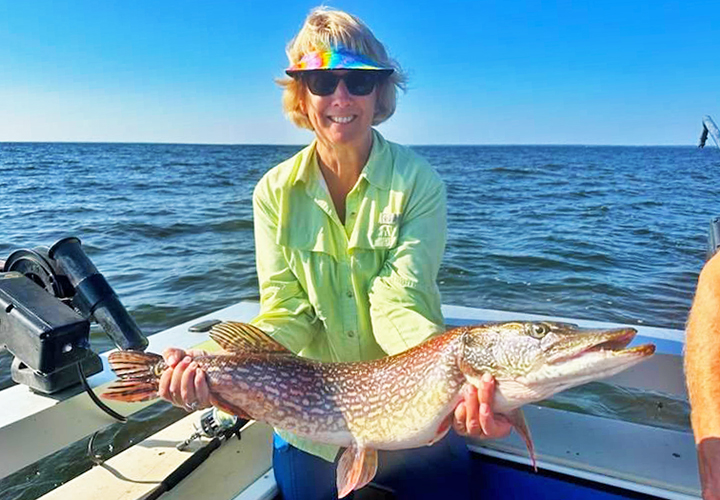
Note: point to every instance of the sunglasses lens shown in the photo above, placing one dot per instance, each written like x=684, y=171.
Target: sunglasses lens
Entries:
x=322, y=83
x=360, y=82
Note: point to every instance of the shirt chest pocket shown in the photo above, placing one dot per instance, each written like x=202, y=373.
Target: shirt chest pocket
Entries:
x=318, y=238
x=376, y=227
x=376, y=237
x=383, y=237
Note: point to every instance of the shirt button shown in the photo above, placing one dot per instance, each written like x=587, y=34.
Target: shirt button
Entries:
x=349, y=294
x=351, y=334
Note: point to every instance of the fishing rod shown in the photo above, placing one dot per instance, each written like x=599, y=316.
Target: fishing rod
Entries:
x=213, y=423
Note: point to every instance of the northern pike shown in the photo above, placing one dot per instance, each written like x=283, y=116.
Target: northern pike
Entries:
x=401, y=401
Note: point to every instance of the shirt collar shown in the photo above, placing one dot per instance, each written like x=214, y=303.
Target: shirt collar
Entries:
x=378, y=169
x=305, y=167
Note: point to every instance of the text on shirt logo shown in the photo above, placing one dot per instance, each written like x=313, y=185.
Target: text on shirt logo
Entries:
x=389, y=218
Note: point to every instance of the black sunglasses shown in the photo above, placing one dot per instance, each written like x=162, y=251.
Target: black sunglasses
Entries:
x=359, y=82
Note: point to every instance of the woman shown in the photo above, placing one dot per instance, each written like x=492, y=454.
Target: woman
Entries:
x=349, y=237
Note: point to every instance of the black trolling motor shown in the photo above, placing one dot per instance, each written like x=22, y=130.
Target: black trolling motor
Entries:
x=48, y=297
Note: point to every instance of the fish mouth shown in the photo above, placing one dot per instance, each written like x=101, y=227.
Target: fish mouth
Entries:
x=610, y=343
x=580, y=355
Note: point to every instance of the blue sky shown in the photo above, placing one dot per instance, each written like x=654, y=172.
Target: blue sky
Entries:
x=522, y=72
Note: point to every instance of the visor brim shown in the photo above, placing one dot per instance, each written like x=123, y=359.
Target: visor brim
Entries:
x=293, y=73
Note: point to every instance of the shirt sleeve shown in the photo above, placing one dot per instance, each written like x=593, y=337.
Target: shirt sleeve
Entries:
x=285, y=311
x=405, y=305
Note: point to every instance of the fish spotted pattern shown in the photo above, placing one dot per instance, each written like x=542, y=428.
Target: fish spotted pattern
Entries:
x=397, y=402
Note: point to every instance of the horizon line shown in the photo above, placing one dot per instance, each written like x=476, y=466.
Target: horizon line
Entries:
x=460, y=144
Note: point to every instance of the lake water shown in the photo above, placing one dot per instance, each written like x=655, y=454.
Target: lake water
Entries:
x=607, y=233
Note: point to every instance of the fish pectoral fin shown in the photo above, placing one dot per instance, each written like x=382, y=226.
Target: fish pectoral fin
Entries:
x=228, y=407
x=240, y=337
x=442, y=429
x=356, y=468
x=517, y=419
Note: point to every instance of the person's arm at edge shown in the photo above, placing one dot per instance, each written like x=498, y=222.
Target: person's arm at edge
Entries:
x=702, y=372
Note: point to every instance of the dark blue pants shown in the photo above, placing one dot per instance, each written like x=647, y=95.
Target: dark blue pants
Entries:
x=438, y=471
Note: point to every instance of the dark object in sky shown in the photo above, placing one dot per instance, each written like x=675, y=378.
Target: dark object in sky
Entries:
x=709, y=128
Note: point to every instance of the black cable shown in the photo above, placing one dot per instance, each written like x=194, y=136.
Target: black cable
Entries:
x=95, y=399
x=91, y=453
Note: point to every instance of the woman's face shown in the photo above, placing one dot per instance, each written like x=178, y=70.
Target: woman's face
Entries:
x=341, y=118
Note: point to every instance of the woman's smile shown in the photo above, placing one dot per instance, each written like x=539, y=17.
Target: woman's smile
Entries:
x=342, y=119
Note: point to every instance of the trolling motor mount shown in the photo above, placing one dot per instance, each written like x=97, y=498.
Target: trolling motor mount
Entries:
x=47, y=299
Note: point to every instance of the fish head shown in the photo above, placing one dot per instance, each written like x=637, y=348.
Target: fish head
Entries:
x=533, y=360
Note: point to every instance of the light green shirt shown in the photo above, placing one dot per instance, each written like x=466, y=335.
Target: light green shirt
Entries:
x=355, y=291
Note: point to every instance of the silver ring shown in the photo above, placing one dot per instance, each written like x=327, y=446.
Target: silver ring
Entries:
x=194, y=406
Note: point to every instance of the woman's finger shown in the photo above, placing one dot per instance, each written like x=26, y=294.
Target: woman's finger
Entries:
x=187, y=385
x=493, y=425
x=460, y=418
x=176, y=381
x=164, y=385
x=486, y=392
x=173, y=355
x=202, y=391
x=472, y=409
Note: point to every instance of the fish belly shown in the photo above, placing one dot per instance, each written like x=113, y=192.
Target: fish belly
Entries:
x=421, y=421
x=407, y=403
x=418, y=436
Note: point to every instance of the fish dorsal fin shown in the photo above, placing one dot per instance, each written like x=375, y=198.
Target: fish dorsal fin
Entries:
x=240, y=337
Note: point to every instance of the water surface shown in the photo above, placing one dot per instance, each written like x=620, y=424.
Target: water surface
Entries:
x=606, y=233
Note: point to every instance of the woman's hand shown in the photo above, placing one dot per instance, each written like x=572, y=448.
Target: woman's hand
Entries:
x=474, y=416
x=184, y=383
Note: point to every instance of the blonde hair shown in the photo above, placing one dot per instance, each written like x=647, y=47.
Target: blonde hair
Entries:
x=323, y=30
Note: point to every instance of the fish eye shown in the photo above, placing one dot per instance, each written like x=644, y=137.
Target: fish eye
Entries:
x=538, y=330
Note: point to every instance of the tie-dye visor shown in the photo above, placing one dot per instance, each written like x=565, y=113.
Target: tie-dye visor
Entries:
x=338, y=58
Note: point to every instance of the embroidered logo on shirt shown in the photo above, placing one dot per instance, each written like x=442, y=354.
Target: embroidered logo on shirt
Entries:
x=389, y=218
x=385, y=231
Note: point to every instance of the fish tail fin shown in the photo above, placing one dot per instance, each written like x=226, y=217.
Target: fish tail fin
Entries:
x=131, y=391
x=136, y=364
x=139, y=375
